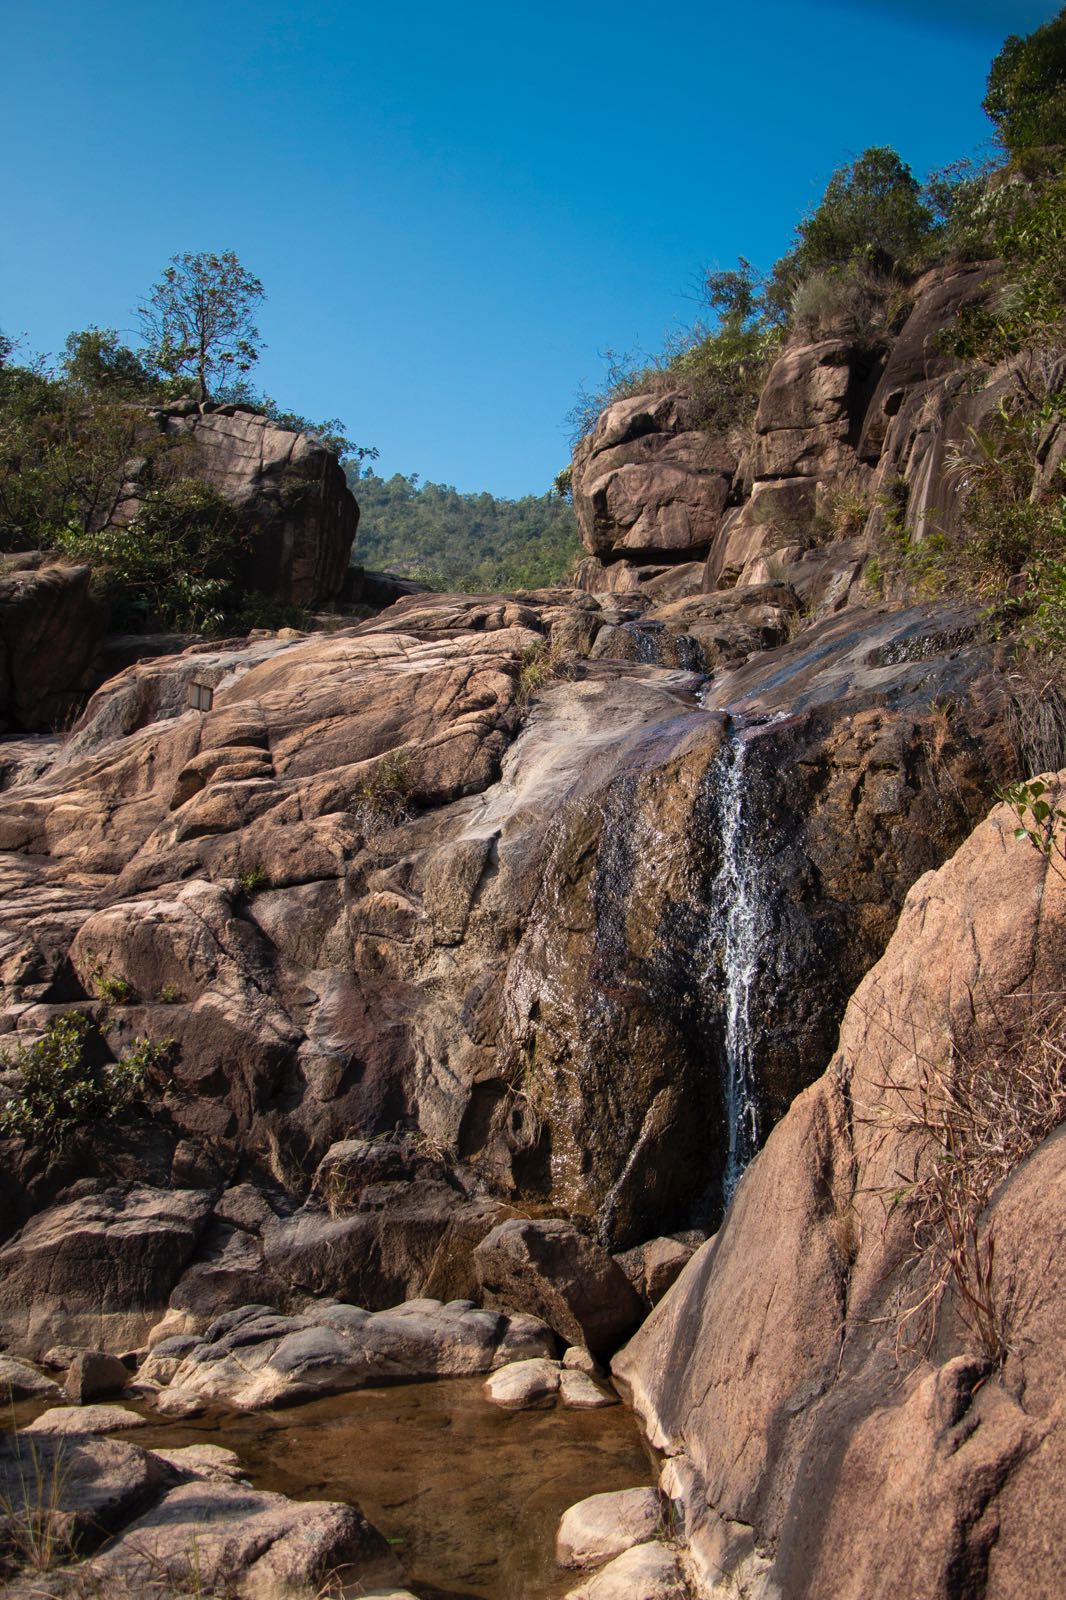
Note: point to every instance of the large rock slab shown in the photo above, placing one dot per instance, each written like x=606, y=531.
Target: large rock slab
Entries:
x=300, y=514
x=751, y=1399
x=812, y=406
x=230, y=1538
x=256, y=1357
x=97, y=1271
x=51, y=631
x=551, y=1270
x=87, y=1488
x=647, y=482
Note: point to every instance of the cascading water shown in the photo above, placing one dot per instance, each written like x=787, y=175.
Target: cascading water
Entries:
x=740, y=935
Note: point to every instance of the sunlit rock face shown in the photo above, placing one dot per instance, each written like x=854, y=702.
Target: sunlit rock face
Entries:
x=648, y=481
x=792, y=1374
x=577, y=946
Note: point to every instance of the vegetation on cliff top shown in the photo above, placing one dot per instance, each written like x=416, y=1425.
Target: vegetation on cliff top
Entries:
x=854, y=257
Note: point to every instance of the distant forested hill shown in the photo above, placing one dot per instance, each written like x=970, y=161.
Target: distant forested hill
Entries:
x=469, y=542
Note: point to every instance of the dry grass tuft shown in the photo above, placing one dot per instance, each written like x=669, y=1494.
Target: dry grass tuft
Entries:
x=35, y=1531
x=970, y=1121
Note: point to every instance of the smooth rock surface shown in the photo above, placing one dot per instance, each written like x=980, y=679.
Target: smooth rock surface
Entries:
x=646, y=1572
x=579, y=1390
x=84, y=1419
x=523, y=1383
x=596, y=1529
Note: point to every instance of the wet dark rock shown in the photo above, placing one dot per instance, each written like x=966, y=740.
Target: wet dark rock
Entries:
x=552, y=1271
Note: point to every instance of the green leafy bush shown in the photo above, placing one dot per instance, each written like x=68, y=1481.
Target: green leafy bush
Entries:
x=174, y=563
x=65, y=1084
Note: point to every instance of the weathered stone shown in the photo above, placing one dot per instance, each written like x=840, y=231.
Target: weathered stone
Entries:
x=91, y=1487
x=85, y=1419
x=523, y=1383
x=651, y=1268
x=300, y=515
x=50, y=635
x=596, y=1529
x=210, y=1461
x=650, y=1571
x=98, y=1269
x=256, y=1357
x=812, y=407
x=757, y=1404
x=20, y=1381
x=93, y=1375
x=578, y=1359
x=553, y=1271
x=646, y=482
x=228, y=1536
x=577, y=1389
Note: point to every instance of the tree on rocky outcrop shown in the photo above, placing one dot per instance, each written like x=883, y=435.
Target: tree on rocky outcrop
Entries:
x=1026, y=97
x=197, y=320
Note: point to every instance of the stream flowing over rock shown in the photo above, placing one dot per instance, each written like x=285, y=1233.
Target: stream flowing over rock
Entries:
x=509, y=977
x=784, y=1420
x=369, y=897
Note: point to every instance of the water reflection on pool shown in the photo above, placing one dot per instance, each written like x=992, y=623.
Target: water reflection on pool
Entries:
x=469, y=1495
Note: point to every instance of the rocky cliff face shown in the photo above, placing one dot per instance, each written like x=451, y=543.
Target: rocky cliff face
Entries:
x=497, y=935
x=838, y=414
x=783, y=1375
x=374, y=889
x=300, y=514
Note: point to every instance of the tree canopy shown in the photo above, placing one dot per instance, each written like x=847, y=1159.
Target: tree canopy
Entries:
x=197, y=319
x=1026, y=97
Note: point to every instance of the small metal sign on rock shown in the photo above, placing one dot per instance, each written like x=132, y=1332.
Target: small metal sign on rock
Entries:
x=201, y=696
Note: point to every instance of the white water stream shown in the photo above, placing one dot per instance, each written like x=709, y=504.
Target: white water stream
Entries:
x=741, y=930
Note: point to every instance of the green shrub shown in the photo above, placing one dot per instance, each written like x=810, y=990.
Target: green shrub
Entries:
x=258, y=610
x=174, y=564
x=252, y=880
x=65, y=1084
x=384, y=798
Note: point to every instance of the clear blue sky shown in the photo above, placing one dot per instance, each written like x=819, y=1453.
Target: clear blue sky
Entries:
x=454, y=208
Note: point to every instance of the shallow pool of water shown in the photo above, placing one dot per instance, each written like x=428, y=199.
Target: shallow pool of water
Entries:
x=469, y=1495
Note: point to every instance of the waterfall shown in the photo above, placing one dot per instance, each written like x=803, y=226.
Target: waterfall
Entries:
x=740, y=931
